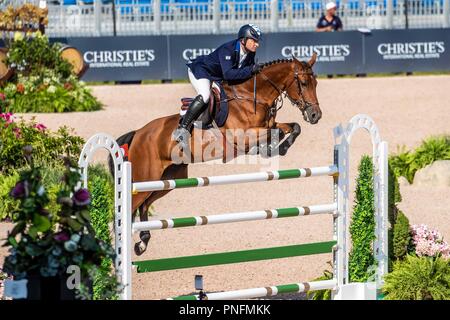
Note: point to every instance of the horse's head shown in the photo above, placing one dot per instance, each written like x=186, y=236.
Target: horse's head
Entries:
x=302, y=90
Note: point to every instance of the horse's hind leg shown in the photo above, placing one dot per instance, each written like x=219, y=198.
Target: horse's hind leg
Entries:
x=141, y=246
x=172, y=172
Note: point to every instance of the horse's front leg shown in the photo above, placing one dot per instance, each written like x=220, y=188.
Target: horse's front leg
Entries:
x=263, y=141
x=294, y=130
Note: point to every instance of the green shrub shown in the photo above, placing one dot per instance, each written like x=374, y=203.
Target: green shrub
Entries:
x=8, y=204
x=394, y=197
x=321, y=294
x=51, y=179
x=418, y=278
x=402, y=164
x=406, y=163
x=54, y=98
x=47, y=145
x=362, y=226
x=432, y=149
x=402, y=237
x=101, y=187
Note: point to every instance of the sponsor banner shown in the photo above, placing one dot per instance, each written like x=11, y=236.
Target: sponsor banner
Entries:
x=337, y=52
x=351, y=52
x=407, y=50
x=123, y=58
x=183, y=48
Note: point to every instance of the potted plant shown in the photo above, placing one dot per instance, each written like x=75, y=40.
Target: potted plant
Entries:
x=56, y=253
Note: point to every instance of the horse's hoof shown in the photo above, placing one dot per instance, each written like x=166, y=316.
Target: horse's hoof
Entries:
x=145, y=236
x=140, y=247
x=283, y=150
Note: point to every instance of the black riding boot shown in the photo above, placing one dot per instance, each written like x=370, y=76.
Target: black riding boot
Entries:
x=182, y=133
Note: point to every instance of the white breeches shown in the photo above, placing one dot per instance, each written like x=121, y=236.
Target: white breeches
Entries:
x=202, y=86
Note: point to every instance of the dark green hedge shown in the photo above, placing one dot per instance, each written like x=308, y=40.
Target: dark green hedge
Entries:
x=362, y=226
x=101, y=187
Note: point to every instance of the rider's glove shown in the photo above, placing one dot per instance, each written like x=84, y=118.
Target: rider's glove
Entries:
x=256, y=68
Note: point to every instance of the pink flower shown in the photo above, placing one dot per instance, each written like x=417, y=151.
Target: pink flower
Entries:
x=9, y=118
x=429, y=242
x=2, y=96
x=40, y=127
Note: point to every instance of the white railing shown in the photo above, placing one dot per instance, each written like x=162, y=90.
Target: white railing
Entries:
x=149, y=17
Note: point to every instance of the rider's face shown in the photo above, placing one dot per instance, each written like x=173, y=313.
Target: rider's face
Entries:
x=251, y=45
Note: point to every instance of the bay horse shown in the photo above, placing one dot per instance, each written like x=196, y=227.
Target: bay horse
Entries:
x=150, y=148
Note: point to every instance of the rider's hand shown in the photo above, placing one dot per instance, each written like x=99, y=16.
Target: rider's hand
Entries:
x=256, y=68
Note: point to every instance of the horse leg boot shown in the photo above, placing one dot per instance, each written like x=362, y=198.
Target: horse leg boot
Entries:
x=141, y=246
x=294, y=132
x=183, y=132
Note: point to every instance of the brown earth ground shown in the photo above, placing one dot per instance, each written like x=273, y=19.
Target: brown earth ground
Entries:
x=406, y=110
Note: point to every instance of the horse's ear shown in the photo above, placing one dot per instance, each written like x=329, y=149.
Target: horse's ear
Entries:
x=313, y=59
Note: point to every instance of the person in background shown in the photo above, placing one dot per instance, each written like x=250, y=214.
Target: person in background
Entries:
x=330, y=21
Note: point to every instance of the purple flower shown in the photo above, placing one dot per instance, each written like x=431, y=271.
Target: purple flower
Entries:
x=61, y=236
x=20, y=190
x=81, y=197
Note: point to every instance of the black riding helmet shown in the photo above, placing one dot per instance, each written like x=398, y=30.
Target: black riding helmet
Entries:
x=249, y=31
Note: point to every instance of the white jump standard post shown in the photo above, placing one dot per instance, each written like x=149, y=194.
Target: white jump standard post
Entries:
x=380, y=186
x=122, y=199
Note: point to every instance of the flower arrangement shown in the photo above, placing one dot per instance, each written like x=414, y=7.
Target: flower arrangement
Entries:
x=47, y=145
x=429, y=242
x=43, y=80
x=40, y=244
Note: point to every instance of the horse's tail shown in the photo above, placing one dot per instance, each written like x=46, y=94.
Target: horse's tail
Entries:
x=123, y=141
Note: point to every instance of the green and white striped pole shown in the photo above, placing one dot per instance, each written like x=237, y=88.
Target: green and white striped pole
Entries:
x=234, y=217
x=233, y=179
x=264, y=291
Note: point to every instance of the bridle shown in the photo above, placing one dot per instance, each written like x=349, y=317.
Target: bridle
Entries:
x=302, y=104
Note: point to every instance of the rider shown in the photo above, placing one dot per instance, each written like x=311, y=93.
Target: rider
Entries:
x=232, y=61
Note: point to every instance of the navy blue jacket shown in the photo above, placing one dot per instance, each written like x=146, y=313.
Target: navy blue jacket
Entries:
x=223, y=64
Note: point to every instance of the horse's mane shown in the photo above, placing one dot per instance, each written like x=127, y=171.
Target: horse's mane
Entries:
x=269, y=63
x=279, y=61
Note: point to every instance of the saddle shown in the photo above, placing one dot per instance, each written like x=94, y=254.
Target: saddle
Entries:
x=217, y=109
